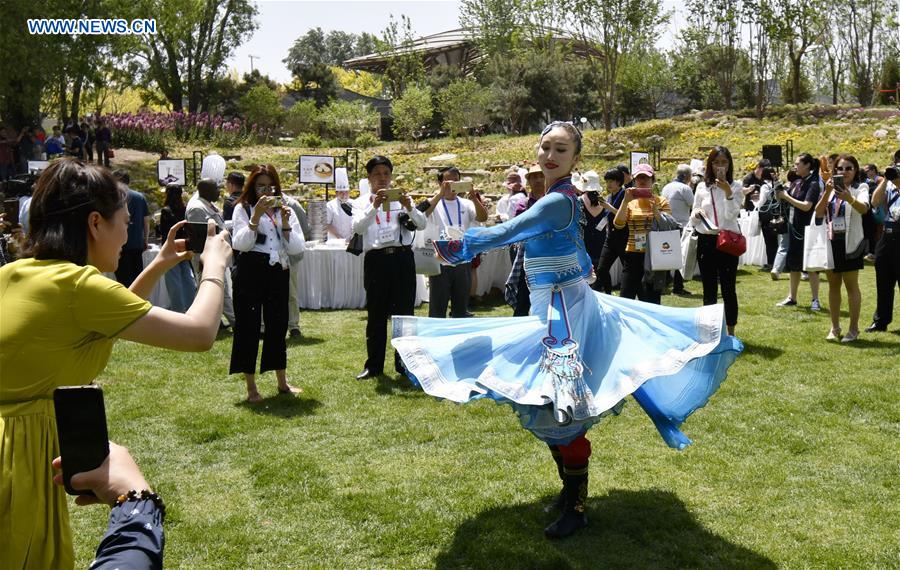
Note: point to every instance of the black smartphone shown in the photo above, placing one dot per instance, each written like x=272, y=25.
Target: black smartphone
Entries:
x=81, y=429
x=11, y=209
x=838, y=182
x=196, y=232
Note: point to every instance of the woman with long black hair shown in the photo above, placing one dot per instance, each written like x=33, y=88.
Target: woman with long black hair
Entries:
x=717, y=204
x=180, y=283
x=265, y=233
x=801, y=200
x=616, y=238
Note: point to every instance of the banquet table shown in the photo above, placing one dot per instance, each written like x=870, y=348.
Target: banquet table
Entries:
x=331, y=278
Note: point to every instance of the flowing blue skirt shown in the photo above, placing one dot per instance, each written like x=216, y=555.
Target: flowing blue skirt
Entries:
x=670, y=359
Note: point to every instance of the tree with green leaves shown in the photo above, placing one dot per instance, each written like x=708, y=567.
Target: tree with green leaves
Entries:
x=412, y=112
x=404, y=67
x=261, y=105
x=715, y=37
x=798, y=26
x=193, y=40
x=864, y=31
x=464, y=104
x=609, y=28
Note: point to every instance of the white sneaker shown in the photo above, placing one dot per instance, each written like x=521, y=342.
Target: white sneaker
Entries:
x=815, y=306
x=833, y=334
x=850, y=337
x=788, y=302
x=775, y=275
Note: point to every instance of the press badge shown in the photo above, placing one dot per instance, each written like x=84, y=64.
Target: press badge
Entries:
x=386, y=234
x=640, y=242
x=839, y=224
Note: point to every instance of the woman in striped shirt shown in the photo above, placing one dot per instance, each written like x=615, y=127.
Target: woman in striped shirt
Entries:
x=637, y=211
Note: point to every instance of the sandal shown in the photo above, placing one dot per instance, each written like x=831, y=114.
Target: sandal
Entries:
x=290, y=390
x=834, y=334
x=254, y=398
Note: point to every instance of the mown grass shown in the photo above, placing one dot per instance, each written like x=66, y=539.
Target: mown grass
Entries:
x=795, y=462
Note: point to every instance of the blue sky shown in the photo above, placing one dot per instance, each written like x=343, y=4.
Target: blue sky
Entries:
x=283, y=21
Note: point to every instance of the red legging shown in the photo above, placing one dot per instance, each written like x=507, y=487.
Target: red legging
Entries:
x=576, y=454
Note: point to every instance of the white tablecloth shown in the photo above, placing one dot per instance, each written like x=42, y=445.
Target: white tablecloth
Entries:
x=331, y=278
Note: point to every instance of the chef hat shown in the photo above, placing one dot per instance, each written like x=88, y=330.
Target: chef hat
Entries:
x=341, y=181
x=214, y=168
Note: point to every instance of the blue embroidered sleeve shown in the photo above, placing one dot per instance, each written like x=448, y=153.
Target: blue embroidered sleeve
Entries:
x=553, y=212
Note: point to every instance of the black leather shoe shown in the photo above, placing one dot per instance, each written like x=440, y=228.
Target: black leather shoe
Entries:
x=874, y=327
x=366, y=373
x=294, y=333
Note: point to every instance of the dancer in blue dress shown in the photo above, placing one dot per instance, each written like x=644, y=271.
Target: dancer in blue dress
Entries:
x=580, y=352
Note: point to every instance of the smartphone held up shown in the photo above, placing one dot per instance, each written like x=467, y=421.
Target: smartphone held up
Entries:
x=197, y=233
x=81, y=430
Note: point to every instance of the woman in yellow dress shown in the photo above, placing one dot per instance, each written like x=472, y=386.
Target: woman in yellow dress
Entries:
x=59, y=319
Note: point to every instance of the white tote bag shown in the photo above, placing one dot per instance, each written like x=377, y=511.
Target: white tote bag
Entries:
x=665, y=250
x=688, y=252
x=817, y=255
x=753, y=228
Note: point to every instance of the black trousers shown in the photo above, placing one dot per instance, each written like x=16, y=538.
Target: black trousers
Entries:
x=131, y=263
x=523, y=298
x=389, y=277
x=451, y=286
x=260, y=292
x=770, y=237
x=718, y=268
x=633, y=279
x=887, y=276
x=613, y=249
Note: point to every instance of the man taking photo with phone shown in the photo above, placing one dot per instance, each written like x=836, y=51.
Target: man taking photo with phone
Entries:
x=451, y=215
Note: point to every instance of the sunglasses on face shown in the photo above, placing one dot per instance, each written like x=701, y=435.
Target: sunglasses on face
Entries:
x=265, y=188
x=843, y=168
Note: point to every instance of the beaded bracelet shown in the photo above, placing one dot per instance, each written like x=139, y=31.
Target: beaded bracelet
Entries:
x=143, y=495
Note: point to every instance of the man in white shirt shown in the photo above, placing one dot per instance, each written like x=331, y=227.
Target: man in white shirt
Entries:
x=389, y=268
x=200, y=208
x=339, y=218
x=681, y=200
x=451, y=215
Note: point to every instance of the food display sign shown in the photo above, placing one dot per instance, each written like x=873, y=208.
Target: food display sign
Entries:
x=316, y=169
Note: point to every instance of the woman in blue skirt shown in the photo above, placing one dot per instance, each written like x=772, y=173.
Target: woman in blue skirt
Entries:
x=579, y=353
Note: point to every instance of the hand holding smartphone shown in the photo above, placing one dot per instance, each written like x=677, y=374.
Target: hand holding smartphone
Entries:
x=641, y=192
x=197, y=235
x=81, y=429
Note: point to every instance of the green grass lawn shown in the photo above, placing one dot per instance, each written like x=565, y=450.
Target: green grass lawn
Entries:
x=795, y=461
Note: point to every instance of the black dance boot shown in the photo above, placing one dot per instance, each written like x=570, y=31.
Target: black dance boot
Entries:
x=560, y=500
x=575, y=483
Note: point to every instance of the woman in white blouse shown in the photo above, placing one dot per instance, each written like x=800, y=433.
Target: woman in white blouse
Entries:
x=717, y=204
x=265, y=233
x=843, y=205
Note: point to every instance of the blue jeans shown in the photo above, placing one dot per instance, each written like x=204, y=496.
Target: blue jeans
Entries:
x=781, y=256
x=181, y=287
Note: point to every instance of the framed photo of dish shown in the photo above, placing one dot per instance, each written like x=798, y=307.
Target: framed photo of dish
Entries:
x=316, y=169
x=37, y=166
x=639, y=157
x=171, y=171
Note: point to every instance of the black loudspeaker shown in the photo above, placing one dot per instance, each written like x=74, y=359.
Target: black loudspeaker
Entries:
x=772, y=153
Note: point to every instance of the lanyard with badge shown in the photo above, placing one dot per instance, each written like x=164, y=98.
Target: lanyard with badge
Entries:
x=451, y=231
x=836, y=213
x=385, y=232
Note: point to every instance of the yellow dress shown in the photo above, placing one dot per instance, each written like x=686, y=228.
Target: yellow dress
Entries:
x=58, y=323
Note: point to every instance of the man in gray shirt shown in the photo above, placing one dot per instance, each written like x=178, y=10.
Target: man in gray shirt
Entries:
x=681, y=200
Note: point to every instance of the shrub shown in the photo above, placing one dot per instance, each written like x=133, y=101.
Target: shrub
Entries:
x=311, y=140
x=261, y=105
x=343, y=121
x=464, y=104
x=301, y=118
x=412, y=111
x=365, y=140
